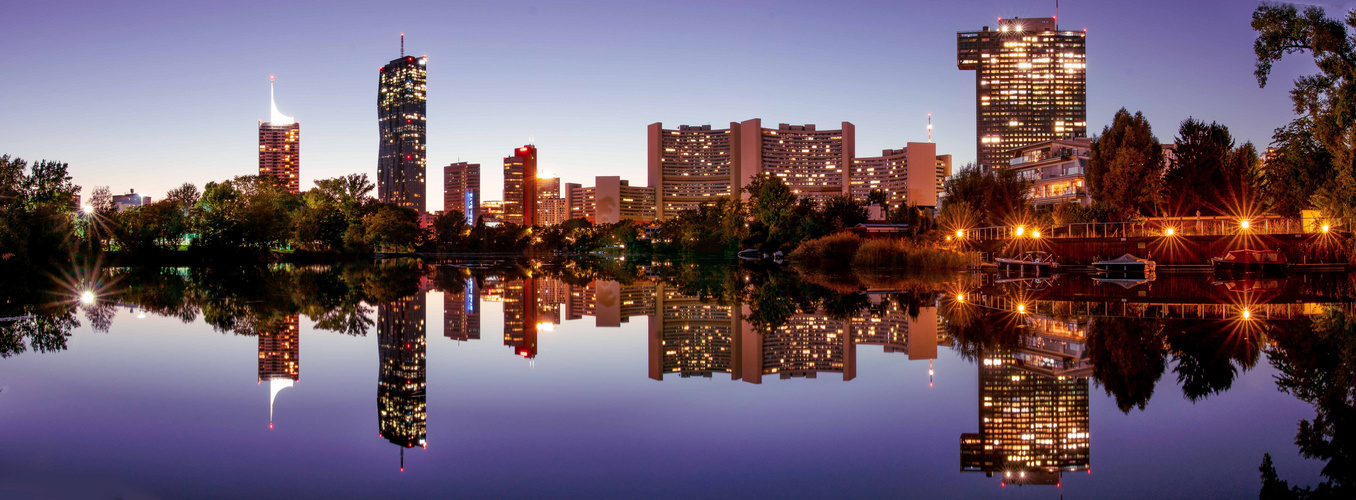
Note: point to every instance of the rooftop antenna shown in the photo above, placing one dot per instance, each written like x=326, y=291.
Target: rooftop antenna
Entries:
x=402, y=43
x=929, y=127
x=1056, y=15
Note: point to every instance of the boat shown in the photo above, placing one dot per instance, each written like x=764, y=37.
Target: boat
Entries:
x=1126, y=280
x=1251, y=284
x=1036, y=260
x=750, y=254
x=1126, y=264
x=1250, y=261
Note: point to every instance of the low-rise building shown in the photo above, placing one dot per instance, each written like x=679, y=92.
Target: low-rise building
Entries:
x=1057, y=170
x=611, y=200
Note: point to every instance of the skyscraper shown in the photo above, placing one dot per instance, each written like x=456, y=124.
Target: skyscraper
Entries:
x=402, y=123
x=461, y=189
x=520, y=186
x=280, y=146
x=1030, y=85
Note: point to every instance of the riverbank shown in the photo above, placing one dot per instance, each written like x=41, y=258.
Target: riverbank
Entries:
x=844, y=250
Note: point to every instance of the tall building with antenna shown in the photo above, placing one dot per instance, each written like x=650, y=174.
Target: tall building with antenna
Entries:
x=1030, y=85
x=402, y=122
x=280, y=146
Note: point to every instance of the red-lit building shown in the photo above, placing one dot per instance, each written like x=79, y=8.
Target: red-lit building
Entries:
x=520, y=186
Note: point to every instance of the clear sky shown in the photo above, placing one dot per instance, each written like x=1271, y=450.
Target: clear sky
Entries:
x=149, y=95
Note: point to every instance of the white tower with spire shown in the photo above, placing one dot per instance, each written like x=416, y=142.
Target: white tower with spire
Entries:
x=280, y=146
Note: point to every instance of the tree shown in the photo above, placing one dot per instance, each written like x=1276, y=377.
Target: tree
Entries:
x=1126, y=166
x=1299, y=168
x=997, y=197
x=1210, y=175
x=1324, y=102
x=450, y=228
x=186, y=194
x=771, y=204
x=392, y=228
x=36, y=212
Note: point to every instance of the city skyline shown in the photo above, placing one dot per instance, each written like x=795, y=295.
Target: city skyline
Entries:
x=583, y=140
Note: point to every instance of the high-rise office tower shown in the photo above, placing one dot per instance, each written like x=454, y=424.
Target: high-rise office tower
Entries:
x=401, y=103
x=1030, y=85
x=520, y=186
x=280, y=146
x=461, y=189
x=461, y=311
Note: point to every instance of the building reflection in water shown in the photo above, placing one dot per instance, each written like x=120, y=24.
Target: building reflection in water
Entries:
x=691, y=337
x=1033, y=406
x=461, y=312
x=521, y=317
x=402, y=407
x=279, y=358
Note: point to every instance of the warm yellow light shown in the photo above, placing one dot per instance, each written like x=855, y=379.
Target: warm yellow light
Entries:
x=87, y=297
x=1246, y=314
x=1020, y=230
x=89, y=209
x=1243, y=223
x=1169, y=232
x=948, y=238
x=1036, y=234
x=960, y=233
x=1021, y=308
x=960, y=297
x=1325, y=228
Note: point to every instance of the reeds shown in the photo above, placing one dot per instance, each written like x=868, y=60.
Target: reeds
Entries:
x=832, y=251
x=905, y=254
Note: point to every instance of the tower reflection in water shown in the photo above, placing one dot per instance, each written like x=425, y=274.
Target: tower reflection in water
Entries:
x=279, y=358
x=402, y=407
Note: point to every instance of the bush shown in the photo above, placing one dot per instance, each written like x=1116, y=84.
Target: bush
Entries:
x=902, y=253
x=834, y=250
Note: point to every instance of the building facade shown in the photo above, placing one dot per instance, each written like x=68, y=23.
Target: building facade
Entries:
x=520, y=186
x=611, y=200
x=402, y=125
x=402, y=406
x=280, y=147
x=461, y=189
x=910, y=175
x=1030, y=85
x=1057, y=170
x=814, y=163
x=551, y=207
x=690, y=165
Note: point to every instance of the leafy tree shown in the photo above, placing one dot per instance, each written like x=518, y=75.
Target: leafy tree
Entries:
x=1209, y=174
x=995, y=197
x=186, y=194
x=1128, y=357
x=1126, y=166
x=771, y=205
x=392, y=228
x=1300, y=168
x=1325, y=103
x=450, y=228
x=36, y=212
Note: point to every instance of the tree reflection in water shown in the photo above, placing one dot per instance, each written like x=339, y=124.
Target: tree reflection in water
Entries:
x=1125, y=353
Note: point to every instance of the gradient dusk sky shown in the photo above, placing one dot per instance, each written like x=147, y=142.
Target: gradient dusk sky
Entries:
x=150, y=95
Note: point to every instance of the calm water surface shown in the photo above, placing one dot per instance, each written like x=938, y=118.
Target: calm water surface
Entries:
x=671, y=381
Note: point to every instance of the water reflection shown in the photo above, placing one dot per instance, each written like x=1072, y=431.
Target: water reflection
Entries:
x=1040, y=345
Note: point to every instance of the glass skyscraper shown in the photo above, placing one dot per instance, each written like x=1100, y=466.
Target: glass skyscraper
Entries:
x=401, y=108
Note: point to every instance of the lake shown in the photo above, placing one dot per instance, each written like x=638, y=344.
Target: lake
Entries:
x=664, y=380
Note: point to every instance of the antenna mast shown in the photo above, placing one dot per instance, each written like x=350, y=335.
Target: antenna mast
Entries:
x=402, y=42
x=929, y=127
x=1056, y=15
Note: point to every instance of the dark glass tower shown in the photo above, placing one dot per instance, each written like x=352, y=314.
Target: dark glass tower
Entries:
x=401, y=105
x=1030, y=85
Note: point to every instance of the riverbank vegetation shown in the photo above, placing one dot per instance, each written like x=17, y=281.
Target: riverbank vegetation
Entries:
x=842, y=250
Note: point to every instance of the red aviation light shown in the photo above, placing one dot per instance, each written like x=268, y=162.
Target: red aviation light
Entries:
x=407, y=157
x=409, y=59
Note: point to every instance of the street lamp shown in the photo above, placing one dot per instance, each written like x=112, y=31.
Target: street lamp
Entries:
x=1020, y=230
x=1036, y=233
x=1243, y=223
x=1169, y=232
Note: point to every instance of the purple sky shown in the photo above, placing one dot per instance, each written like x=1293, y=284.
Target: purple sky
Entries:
x=151, y=95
